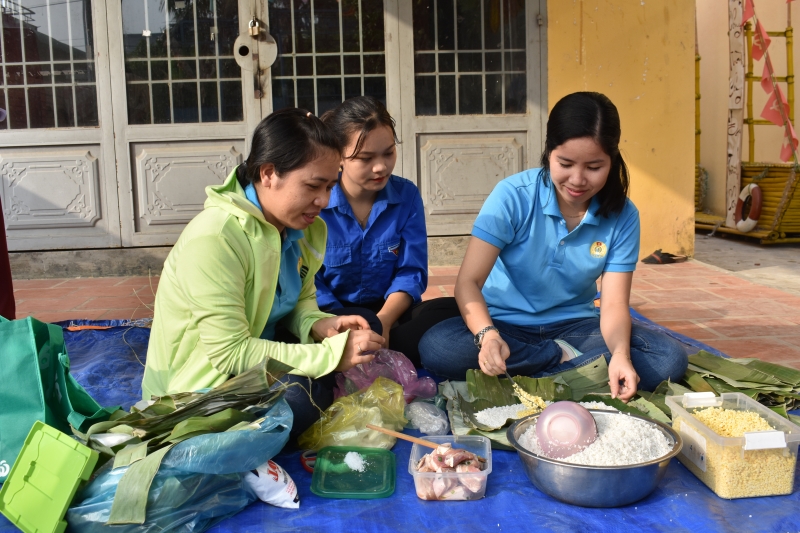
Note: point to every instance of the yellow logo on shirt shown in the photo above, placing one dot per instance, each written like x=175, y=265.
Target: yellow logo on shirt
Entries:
x=598, y=249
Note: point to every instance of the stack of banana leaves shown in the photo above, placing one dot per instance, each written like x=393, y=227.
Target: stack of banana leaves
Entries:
x=140, y=439
x=773, y=385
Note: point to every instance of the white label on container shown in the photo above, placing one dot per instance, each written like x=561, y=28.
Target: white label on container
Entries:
x=764, y=440
x=699, y=399
x=694, y=445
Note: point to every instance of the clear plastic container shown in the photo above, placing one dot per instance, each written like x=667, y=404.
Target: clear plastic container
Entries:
x=452, y=485
x=761, y=463
x=334, y=478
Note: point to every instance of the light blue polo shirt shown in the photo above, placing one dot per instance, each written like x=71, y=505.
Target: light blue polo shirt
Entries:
x=545, y=274
x=287, y=292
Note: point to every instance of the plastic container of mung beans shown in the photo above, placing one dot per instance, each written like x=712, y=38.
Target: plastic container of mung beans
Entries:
x=760, y=463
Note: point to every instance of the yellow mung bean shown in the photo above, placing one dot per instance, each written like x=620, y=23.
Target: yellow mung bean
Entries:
x=731, y=471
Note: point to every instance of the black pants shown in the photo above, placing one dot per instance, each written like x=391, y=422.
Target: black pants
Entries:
x=412, y=325
x=7, y=304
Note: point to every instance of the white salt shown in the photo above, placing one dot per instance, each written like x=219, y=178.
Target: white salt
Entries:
x=622, y=440
x=355, y=461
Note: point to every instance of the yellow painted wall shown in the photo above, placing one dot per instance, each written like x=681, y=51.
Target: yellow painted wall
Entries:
x=640, y=53
x=712, y=25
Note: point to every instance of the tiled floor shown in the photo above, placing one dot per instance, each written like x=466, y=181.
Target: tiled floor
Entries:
x=730, y=313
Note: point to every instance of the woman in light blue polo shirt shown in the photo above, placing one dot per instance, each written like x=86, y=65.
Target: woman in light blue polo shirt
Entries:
x=376, y=258
x=527, y=284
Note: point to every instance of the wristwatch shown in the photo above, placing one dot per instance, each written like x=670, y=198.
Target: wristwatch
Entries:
x=479, y=336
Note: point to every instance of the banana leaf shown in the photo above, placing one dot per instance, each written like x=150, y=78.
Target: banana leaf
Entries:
x=736, y=383
x=210, y=424
x=781, y=410
x=668, y=388
x=616, y=403
x=794, y=418
x=246, y=389
x=452, y=391
x=586, y=379
x=459, y=427
x=498, y=392
x=656, y=399
x=785, y=374
x=469, y=410
x=546, y=388
x=724, y=367
x=130, y=454
x=497, y=437
x=130, y=500
x=651, y=410
x=696, y=382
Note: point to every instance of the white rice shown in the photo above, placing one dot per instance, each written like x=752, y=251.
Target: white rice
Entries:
x=355, y=461
x=622, y=440
x=497, y=416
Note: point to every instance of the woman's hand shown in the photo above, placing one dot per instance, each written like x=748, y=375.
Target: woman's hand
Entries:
x=359, y=342
x=387, y=327
x=332, y=326
x=493, y=354
x=622, y=378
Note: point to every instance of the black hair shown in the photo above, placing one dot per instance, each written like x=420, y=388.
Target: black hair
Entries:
x=593, y=115
x=361, y=114
x=289, y=139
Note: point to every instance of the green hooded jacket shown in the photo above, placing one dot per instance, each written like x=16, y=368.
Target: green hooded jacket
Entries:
x=215, y=295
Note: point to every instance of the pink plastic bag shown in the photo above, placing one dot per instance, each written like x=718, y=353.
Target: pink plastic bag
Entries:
x=389, y=364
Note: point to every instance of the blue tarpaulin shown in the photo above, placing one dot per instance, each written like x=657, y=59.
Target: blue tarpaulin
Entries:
x=109, y=363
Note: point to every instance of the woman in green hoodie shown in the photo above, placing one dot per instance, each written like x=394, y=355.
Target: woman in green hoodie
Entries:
x=246, y=265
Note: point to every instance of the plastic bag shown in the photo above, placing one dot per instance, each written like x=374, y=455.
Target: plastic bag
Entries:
x=343, y=423
x=200, y=481
x=389, y=364
x=273, y=485
x=428, y=418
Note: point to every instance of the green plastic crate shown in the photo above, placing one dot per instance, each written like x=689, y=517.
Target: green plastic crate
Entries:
x=44, y=480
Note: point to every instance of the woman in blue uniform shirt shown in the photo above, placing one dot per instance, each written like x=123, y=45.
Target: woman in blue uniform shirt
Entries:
x=527, y=284
x=376, y=259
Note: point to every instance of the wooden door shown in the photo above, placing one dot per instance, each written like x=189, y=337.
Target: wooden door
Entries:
x=185, y=102
x=57, y=157
x=473, y=100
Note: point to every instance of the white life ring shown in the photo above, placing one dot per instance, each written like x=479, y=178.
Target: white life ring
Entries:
x=748, y=224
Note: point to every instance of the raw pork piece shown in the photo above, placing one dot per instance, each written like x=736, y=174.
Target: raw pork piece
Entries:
x=473, y=483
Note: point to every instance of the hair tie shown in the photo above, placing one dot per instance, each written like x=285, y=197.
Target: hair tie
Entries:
x=308, y=115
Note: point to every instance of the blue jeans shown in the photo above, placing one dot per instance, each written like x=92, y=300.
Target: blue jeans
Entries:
x=304, y=410
x=447, y=350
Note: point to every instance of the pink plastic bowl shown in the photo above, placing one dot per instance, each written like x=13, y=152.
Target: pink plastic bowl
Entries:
x=564, y=429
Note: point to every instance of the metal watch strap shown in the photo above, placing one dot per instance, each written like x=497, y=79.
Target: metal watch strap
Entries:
x=479, y=336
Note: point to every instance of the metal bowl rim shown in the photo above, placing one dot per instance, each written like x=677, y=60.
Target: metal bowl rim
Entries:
x=676, y=449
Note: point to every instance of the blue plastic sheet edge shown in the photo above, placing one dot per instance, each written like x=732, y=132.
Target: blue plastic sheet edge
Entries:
x=680, y=503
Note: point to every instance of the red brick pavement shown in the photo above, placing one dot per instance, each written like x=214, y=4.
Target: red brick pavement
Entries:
x=736, y=316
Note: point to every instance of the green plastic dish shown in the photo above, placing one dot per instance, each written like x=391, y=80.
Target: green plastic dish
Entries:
x=44, y=480
x=333, y=478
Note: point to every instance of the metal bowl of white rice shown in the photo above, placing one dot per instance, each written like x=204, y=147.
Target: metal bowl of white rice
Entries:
x=598, y=486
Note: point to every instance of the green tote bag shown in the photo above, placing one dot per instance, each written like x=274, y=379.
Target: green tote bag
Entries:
x=35, y=384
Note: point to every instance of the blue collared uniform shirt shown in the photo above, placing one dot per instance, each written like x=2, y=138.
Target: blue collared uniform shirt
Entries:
x=366, y=265
x=287, y=292
x=545, y=274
